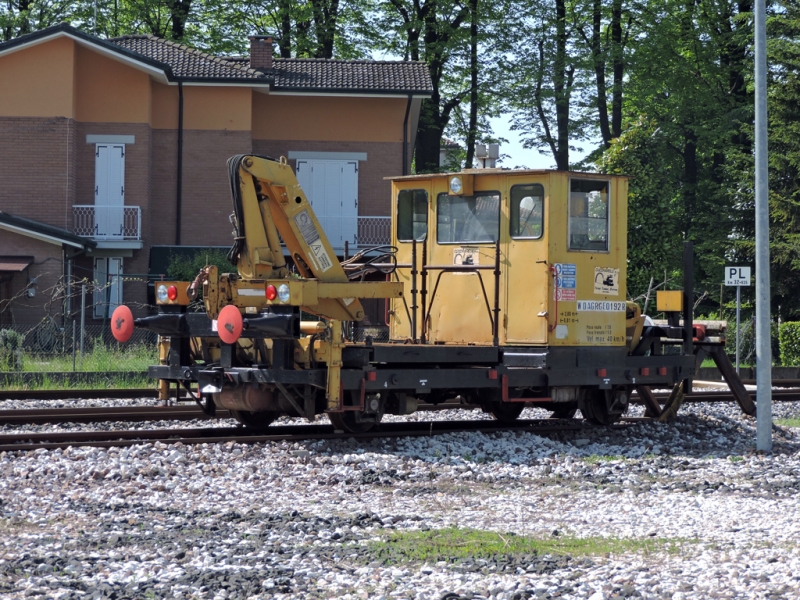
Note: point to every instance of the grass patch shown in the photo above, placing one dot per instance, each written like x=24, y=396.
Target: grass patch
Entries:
x=111, y=381
x=454, y=544
x=103, y=358
x=792, y=422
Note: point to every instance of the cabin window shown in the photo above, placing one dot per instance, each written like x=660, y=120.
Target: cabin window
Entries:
x=412, y=215
x=527, y=212
x=588, y=215
x=468, y=219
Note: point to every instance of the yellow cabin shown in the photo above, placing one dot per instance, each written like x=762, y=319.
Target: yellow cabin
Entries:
x=562, y=241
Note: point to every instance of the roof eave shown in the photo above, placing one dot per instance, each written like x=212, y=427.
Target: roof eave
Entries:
x=350, y=92
x=156, y=68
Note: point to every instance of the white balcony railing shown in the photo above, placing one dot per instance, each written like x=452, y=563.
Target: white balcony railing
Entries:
x=107, y=222
x=374, y=231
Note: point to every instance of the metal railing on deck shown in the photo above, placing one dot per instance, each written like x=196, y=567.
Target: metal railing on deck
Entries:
x=374, y=231
x=107, y=222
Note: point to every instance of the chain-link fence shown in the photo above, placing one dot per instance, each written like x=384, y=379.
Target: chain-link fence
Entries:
x=48, y=338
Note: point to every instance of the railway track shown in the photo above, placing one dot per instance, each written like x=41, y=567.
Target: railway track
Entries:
x=186, y=411
x=210, y=435
x=150, y=393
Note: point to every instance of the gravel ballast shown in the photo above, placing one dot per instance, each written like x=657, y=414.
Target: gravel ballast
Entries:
x=688, y=510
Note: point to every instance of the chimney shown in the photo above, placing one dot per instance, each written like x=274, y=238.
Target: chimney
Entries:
x=261, y=52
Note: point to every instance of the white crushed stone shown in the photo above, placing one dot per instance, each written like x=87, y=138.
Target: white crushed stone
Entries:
x=293, y=520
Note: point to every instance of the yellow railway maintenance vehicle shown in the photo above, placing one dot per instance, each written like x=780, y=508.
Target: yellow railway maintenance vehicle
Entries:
x=504, y=289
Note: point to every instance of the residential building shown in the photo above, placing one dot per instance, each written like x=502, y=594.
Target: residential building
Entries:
x=110, y=147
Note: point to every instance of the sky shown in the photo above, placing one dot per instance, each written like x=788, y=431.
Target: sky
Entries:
x=518, y=156
x=527, y=157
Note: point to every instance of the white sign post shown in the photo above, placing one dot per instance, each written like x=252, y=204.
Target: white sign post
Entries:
x=737, y=276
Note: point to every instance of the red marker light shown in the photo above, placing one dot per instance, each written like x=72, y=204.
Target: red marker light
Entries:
x=122, y=323
x=229, y=324
x=172, y=293
x=271, y=292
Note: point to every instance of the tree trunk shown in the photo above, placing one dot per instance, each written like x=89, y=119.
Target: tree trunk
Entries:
x=429, y=136
x=562, y=82
x=472, y=132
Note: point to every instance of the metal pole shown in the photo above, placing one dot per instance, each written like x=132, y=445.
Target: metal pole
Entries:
x=83, y=318
x=763, y=346
x=738, y=309
x=73, y=345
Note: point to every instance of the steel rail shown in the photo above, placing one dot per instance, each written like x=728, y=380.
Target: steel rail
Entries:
x=107, y=439
x=97, y=414
x=151, y=393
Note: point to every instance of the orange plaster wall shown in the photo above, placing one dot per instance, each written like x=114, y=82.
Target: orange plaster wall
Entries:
x=326, y=118
x=165, y=106
x=216, y=108
x=109, y=91
x=37, y=81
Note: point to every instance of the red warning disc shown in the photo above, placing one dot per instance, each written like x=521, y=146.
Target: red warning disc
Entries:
x=122, y=323
x=229, y=324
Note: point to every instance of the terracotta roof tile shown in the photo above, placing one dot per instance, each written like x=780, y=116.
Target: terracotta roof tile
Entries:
x=186, y=62
x=347, y=75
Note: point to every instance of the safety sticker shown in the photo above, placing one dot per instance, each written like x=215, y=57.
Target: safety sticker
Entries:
x=306, y=227
x=320, y=255
x=600, y=306
x=466, y=256
x=567, y=269
x=565, y=281
x=606, y=281
x=564, y=295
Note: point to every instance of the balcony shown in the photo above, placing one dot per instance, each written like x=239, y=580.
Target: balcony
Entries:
x=111, y=226
x=374, y=231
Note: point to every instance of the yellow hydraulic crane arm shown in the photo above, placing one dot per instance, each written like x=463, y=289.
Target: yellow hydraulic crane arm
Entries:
x=268, y=201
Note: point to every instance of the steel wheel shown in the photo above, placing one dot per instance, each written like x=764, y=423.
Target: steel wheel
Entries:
x=255, y=420
x=595, y=407
x=346, y=421
x=505, y=412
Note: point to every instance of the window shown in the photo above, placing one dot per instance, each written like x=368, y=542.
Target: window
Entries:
x=331, y=187
x=527, y=211
x=109, y=190
x=588, y=215
x=468, y=219
x=412, y=215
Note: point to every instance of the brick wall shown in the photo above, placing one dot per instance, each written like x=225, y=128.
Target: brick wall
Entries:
x=37, y=176
x=165, y=186
x=206, y=191
x=384, y=159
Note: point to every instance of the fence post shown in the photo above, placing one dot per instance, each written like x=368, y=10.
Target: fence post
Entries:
x=83, y=319
x=73, y=345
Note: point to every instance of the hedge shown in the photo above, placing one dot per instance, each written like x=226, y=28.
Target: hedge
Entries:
x=789, y=338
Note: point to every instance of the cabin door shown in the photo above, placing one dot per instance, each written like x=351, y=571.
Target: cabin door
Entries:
x=410, y=223
x=527, y=276
x=461, y=299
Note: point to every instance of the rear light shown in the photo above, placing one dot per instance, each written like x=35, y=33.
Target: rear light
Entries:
x=271, y=292
x=644, y=371
x=172, y=293
x=601, y=372
x=283, y=293
x=662, y=371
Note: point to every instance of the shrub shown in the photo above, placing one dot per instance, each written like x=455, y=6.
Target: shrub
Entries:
x=10, y=350
x=185, y=268
x=789, y=337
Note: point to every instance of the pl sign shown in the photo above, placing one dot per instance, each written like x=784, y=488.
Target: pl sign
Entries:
x=736, y=276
